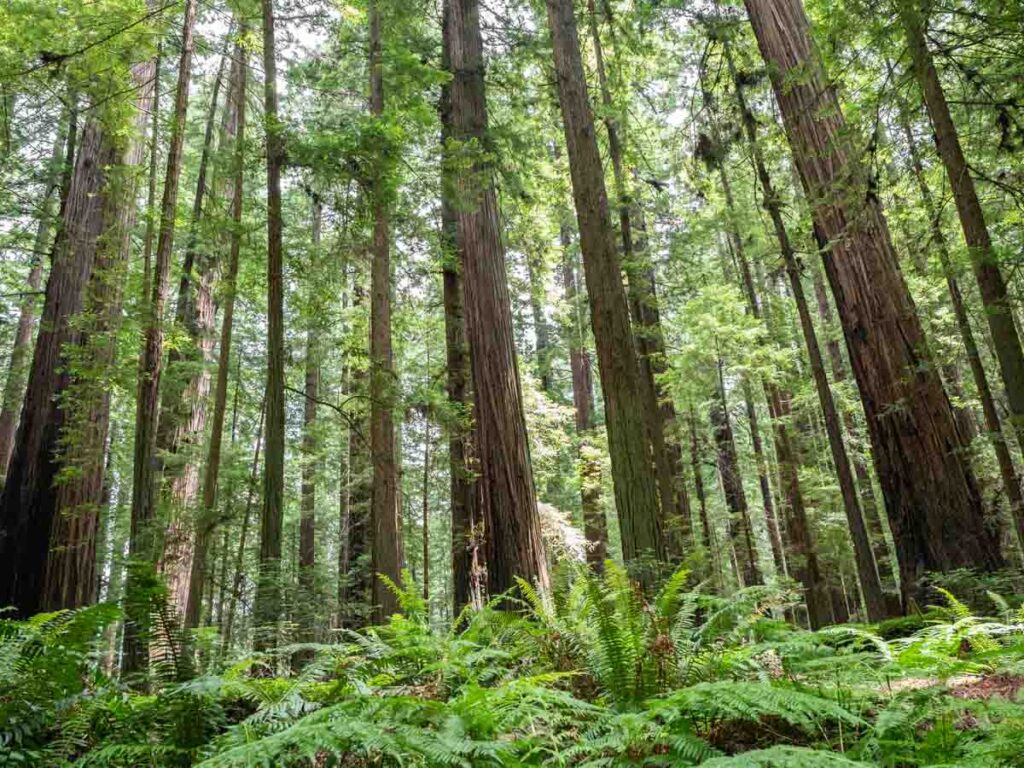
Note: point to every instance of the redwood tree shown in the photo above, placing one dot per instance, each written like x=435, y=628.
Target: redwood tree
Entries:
x=508, y=505
x=386, y=542
x=94, y=206
x=931, y=494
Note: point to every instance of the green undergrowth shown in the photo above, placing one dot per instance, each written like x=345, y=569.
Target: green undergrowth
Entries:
x=591, y=675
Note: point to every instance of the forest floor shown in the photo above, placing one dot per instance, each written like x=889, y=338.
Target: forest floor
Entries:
x=593, y=675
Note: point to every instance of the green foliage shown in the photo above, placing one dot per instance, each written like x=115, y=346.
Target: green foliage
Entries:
x=590, y=674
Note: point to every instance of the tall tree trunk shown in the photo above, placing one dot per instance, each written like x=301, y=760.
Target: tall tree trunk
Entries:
x=984, y=262
x=648, y=335
x=239, y=572
x=542, y=334
x=233, y=131
x=741, y=531
x=98, y=191
x=356, y=586
x=595, y=529
x=426, y=507
x=866, y=570
x=186, y=386
x=344, y=495
x=14, y=386
x=386, y=545
x=154, y=167
x=802, y=559
x=636, y=494
x=707, y=532
x=268, y=588
x=869, y=505
x=307, y=514
x=931, y=493
x=993, y=425
x=771, y=522
x=143, y=545
x=508, y=505
x=465, y=511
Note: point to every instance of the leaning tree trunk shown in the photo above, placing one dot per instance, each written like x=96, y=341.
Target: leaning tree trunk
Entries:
x=465, y=512
x=636, y=494
x=802, y=559
x=29, y=503
x=1007, y=471
x=143, y=545
x=931, y=494
x=991, y=285
x=871, y=586
x=508, y=505
x=386, y=541
x=233, y=131
x=869, y=504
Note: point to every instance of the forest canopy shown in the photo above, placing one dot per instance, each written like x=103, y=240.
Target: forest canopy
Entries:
x=508, y=383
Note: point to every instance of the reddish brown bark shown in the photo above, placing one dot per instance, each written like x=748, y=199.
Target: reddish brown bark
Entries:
x=865, y=486
x=386, y=544
x=143, y=545
x=931, y=494
x=14, y=386
x=463, y=491
x=94, y=205
x=993, y=424
x=186, y=387
x=268, y=593
x=508, y=505
x=648, y=335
